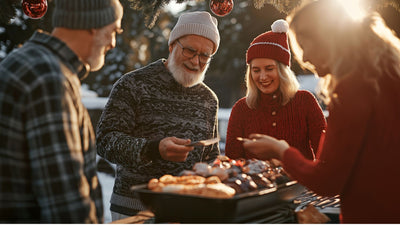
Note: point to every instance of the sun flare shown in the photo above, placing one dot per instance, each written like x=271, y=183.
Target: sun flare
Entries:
x=355, y=8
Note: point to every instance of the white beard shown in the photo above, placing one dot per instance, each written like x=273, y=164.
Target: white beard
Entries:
x=186, y=79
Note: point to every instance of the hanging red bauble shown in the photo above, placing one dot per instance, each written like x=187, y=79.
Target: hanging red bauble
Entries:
x=35, y=9
x=221, y=7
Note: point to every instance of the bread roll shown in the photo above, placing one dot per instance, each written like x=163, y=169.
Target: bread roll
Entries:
x=192, y=185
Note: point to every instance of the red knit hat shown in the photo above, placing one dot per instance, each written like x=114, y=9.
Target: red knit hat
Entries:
x=272, y=44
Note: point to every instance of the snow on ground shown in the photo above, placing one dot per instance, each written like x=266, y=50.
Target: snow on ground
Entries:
x=107, y=184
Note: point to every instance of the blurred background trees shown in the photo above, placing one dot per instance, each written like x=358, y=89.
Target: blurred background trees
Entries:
x=147, y=25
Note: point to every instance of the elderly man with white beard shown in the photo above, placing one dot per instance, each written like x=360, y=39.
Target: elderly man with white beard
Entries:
x=153, y=113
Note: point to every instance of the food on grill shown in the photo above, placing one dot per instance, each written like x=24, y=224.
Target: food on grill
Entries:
x=262, y=181
x=219, y=172
x=159, y=184
x=223, y=179
x=242, y=183
x=192, y=185
x=202, y=169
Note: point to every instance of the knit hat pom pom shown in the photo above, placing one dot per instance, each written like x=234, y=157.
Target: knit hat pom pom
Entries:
x=280, y=26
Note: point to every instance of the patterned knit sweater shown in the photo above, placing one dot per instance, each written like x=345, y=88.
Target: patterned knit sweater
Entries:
x=299, y=122
x=144, y=107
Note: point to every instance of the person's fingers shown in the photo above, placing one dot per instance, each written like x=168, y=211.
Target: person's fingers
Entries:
x=178, y=157
x=178, y=153
x=242, y=139
x=175, y=149
x=249, y=144
x=257, y=136
x=176, y=144
x=180, y=141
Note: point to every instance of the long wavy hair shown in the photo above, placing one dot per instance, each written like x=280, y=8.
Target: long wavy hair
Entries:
x=365, y=47
x=288, y=85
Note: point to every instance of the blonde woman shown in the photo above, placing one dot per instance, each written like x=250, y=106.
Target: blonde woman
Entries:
x=273, y=104
x=360, y=155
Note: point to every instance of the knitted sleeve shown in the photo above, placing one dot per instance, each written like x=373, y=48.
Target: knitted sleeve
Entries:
x=344, y=139
x=315, y=120
x=114, y=141
x=234, y=148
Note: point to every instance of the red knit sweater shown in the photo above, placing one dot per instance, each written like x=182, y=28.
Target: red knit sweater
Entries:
x=360, y=156
x=299, y=122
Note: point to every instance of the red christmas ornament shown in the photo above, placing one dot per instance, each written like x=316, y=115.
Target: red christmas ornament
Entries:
x=34, y=9
x=221, y=7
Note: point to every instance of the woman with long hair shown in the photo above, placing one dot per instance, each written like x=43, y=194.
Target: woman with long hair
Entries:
x=360, y=61
x=274, y=105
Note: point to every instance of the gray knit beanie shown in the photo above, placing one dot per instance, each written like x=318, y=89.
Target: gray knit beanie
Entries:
x=83, y=14
x=198, y=23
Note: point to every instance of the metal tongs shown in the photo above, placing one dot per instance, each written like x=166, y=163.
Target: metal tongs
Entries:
x=204, y=142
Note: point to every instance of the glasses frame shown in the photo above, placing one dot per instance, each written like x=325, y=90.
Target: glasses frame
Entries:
x=209, y=57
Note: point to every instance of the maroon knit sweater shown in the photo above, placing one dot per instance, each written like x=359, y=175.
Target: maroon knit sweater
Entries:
x=360, y=156
x=299, y=122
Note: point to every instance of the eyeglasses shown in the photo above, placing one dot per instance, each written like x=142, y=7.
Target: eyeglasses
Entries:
x=191, y=53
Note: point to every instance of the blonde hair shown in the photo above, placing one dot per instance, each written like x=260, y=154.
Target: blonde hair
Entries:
x=288, y=85
x=366, y=47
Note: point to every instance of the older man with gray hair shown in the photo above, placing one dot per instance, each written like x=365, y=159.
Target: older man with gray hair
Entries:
x=153, y=113
x=47, y=149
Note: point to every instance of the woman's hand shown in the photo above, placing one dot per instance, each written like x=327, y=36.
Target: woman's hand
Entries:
x=265, y=147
